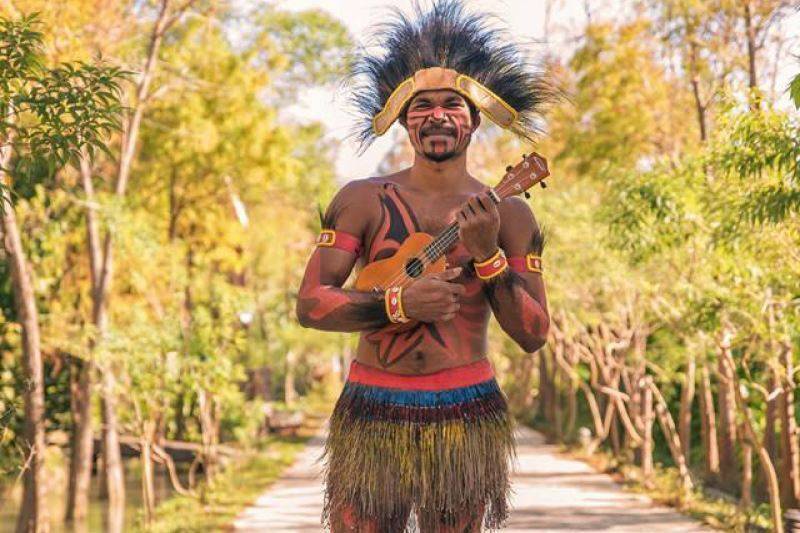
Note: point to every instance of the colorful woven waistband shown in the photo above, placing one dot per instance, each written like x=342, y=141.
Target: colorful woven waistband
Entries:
x=450, y=378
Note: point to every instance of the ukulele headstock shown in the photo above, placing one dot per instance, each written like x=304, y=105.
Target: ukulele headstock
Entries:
x=527, y=173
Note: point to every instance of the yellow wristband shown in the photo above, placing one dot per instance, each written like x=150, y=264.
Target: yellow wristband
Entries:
x=492, y=267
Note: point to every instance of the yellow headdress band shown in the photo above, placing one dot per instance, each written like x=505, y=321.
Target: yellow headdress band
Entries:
x=434, y=78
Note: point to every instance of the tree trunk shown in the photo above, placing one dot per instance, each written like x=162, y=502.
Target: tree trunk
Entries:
x=112, y=458
x=647, y=441
x=789, y=445
x=771, y=415
x=727, y=419
x=555, y=396
x=708, y=419
x=102, y=270
x=544, y=388
x=685, y=412
x=572, y=409
x=746, y=499
x=209, y=432
x=148, y=479
x=750, y=34
x=80, y=466
x=700, y=106
x=774, y=385
x=289, y=392
x=33, y=516
x=81, y=452
x=768, y=469
x=671, y=436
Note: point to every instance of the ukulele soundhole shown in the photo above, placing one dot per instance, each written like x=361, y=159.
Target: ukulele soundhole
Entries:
x=414, y=268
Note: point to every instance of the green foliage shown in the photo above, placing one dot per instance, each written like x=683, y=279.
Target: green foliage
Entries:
x=794, y=91
x=51, y=114
x=313, y=43
x=623, y=105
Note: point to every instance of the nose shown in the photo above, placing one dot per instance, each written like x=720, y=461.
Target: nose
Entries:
x=438, y=113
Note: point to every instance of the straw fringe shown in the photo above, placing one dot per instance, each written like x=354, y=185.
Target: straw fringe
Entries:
x=445, y=453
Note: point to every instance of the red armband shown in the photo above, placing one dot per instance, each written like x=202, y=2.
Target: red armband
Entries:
x=330, y=238
x=527, y=263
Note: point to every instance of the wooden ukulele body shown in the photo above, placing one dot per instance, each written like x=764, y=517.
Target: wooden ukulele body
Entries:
x=397, y=270
x=407, y=263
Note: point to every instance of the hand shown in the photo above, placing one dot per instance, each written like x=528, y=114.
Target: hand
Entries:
x=434, y=297
x=479, y=225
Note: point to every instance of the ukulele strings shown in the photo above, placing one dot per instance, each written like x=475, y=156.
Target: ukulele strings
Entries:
x=439, y=245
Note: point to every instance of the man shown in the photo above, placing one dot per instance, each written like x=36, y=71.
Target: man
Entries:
x=421, y=424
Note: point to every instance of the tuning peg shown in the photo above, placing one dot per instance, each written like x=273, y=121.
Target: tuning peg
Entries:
x=543, y=184
x=527, y=194
x=508, y=168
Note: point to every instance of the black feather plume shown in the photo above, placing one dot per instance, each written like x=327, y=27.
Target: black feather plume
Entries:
x=447, y=36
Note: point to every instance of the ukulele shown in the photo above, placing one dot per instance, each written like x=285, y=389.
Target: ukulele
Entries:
x=422, y=254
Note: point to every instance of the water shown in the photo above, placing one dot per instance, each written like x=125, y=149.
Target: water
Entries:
x=57, y=476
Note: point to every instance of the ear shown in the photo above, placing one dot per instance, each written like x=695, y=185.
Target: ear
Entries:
x=476, y=121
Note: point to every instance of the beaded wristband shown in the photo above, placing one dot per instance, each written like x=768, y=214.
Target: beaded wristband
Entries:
x=494, y=266
x=393, y=299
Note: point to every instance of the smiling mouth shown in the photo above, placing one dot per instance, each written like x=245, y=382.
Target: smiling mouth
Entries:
x=438, y=133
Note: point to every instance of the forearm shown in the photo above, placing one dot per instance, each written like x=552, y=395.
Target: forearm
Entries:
x=331, y=308
x=521, y=315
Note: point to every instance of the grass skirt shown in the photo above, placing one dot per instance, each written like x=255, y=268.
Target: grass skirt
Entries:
x=439, y=443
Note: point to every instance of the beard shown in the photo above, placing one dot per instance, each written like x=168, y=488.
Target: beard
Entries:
x=439, y=157
x=438, y=154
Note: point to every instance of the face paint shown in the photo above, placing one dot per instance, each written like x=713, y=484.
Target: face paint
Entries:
x=439, y=125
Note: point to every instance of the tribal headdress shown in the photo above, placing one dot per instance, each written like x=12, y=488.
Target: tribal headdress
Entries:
x=446, y=47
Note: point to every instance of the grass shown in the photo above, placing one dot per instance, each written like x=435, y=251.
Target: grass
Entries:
x=234, y=489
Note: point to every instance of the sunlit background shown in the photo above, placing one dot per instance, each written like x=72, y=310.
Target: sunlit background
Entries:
x=163, y=164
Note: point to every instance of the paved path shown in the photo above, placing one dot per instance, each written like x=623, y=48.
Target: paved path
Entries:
x=551, y=493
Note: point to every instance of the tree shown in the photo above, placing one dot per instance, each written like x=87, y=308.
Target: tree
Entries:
x=50, y=115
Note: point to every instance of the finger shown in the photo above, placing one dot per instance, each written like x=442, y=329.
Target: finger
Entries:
x=492, y=208
x=447, y=317
x=456, y=288
x=450, y=273
x=483, y=201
